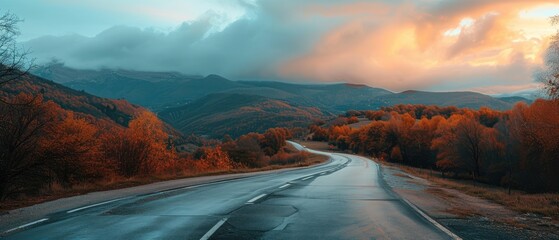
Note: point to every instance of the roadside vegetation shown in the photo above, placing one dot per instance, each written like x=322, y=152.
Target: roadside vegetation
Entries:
x=48, y=152
x=515, y=149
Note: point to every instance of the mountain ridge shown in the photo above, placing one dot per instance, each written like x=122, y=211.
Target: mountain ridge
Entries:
x=173, y=89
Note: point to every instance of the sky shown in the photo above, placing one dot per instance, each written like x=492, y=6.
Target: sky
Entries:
x=436, y=45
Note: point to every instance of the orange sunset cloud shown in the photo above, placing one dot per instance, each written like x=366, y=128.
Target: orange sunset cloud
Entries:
x=495, y=44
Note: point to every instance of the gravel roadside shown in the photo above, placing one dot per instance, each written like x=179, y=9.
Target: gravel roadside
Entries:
x=467, y=216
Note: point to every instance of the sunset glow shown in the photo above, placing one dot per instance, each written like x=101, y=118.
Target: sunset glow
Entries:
x=486, y=46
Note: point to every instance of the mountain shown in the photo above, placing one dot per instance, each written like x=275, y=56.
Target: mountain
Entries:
x=172, y=89
x=330, y=97
x=515, y=99
x=529, y=94
x=108, y=110
x=63, y=74
x=162, y=90
x=236, y=114
x=459, y=99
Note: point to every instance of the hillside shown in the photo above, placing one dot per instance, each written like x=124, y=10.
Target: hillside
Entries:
x=236, y=114
x=116, y=111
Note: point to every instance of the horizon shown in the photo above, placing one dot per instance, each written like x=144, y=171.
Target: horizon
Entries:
x=487, y=47
x=529, y=94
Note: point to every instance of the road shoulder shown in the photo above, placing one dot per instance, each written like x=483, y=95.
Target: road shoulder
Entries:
x=468, y=216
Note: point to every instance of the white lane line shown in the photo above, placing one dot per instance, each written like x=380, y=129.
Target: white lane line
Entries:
x=307, y=178
x=27, y=225
x=286, y=185
x=438, y=225
x=324, y=173
x=254, y=199
x=93, y=205
x=213, y=229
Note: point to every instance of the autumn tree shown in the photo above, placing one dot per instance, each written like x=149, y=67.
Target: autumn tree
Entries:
x=22, y=126
x=465, y=142
x=399, y=132
x=339, y=136
x=142, y=148
x=421, y=135
x=373, y=139
x=247, y=151
x=352, y=119
x=71, y=150
x=509, y=151
x=216, y=159
x=274, y=139
x=318, y=133
x=536, y=127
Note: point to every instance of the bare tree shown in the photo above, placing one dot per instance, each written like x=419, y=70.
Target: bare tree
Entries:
x=22, y=168
x=549, y=76
x=14, y=61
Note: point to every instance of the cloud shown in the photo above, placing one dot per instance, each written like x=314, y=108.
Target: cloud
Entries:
x=248, y=47
x=411, y=48
x=397, y=45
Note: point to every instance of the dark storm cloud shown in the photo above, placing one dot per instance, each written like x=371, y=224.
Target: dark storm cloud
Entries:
x=251, y=46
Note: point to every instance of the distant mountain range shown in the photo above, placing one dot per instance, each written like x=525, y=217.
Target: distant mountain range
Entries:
x=214, y=106
x=161, y=90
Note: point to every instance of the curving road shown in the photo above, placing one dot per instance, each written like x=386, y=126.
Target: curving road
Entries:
x=343, y=199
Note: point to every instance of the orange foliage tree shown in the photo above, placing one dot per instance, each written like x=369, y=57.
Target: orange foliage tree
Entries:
x=537, y=129
x=71, y=149
x=142, y=148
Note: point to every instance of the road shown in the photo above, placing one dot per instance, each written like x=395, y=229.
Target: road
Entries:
x=343, y=199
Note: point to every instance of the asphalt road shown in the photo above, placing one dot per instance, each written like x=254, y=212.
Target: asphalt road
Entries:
x=343, y=199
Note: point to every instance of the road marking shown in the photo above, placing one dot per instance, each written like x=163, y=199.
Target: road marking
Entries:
x=93, y=205
x=27, y=225
x=286, y=185
x=213, y=229
x=432, y=221
x=254, y=199
x=324, y=173
x=307, y=178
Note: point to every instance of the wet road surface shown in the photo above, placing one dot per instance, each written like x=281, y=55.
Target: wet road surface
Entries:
x=343, y=199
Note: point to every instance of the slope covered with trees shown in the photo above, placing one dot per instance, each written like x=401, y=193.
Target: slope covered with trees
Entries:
x=87, y=105
x=237, y=114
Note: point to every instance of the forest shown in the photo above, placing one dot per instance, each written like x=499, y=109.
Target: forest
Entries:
x=44, y=145
x=518, y=148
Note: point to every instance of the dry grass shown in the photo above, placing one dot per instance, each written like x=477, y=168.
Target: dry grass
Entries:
x=545, y=204
x=315, y=145
x=362, y=122
x=56, y=191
